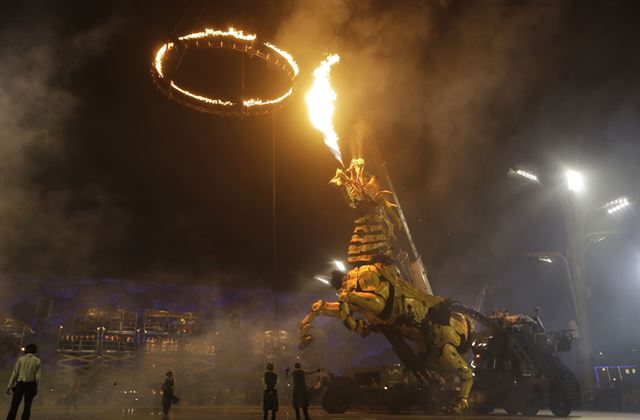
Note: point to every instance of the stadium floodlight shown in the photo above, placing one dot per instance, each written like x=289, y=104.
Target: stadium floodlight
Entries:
x=525, y=174
x=617, y=205
x=575, y=181
x=323, y=279
x=340, y=266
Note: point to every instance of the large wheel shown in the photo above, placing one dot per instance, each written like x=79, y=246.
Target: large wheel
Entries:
x=532, y=404
x=564, y=394
x=398, y=399
x=560, y=408
x=395, y=407
x=336, y=399
x=480, y=401
x=512, y=404
x=512, y=411
x=426, y=401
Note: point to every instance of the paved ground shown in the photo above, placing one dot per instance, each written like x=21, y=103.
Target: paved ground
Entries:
x=248, y=413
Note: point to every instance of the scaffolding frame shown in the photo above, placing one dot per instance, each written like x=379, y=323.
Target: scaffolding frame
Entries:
x=100, y=340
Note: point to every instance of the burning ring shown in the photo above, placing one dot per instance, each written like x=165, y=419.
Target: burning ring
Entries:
x=230, y=39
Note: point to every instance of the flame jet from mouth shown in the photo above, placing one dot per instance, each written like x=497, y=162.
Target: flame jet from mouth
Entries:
x=320, y=102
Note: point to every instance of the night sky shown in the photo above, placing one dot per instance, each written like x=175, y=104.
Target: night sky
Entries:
x=104, y=176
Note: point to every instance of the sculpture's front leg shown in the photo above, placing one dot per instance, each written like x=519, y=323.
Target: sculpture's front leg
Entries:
x=319, y=307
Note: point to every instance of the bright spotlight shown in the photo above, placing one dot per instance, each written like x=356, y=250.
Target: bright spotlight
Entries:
x=523, y=173
x=340, y=266
x=545, y=260
x=323, y=279
x=617, y=205
x=528, y=175
x=575, y=181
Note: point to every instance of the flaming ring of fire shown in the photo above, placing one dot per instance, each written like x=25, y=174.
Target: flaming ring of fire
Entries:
x=230, y=39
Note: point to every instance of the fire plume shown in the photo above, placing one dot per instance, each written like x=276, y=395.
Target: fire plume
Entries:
x=320, y=103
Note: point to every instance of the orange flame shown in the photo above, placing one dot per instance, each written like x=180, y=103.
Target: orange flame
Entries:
x=320, y=103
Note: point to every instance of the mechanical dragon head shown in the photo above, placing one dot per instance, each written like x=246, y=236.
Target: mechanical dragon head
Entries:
x=362, y=191
x=359, y=187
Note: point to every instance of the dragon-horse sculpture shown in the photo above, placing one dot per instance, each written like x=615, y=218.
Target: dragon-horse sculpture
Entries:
x=375, y=295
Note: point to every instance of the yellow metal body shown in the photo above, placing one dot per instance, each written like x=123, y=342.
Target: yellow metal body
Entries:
x=374, y=292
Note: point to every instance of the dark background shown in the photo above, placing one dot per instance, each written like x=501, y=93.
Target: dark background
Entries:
x=103, y=176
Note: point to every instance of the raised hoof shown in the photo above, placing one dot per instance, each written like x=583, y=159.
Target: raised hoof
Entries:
x=305, y=341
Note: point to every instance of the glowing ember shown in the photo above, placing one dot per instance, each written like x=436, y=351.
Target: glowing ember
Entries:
x=320, y=102
x=246, y=45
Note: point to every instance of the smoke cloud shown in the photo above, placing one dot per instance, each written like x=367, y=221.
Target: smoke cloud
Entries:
x=451, y=75
x=48, y=225
x=446, y=90
x=441, y=87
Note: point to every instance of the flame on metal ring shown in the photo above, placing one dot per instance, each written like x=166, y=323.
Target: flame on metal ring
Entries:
x=287, y=56
x=232, y=33
x=208, y=33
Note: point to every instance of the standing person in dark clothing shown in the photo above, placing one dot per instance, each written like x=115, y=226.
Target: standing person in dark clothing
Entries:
x=24, y=382
x=300, y=398
x=168, y=394
x=270, y=397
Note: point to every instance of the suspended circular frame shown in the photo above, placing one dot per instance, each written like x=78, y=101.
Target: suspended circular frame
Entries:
x=230, y=39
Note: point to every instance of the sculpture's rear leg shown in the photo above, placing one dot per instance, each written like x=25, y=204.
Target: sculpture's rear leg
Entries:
x=407, y=356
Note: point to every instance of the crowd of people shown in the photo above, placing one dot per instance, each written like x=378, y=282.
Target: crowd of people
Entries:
x=26, y=375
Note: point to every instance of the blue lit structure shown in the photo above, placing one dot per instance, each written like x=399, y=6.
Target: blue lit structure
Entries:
x=621, y=372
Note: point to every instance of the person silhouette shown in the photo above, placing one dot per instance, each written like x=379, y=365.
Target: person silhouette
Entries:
x=270, y=396
x=300, y=397
x=24, y=382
